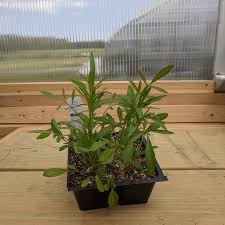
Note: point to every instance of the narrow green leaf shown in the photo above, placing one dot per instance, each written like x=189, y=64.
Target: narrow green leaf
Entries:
x=55, y=128
x=49, y=94
x=145, y=91
x=40, y=131
x=103, y=132
x=163, y=131
x=160, y=89
x=110, y=118
x=71, y=167
x=54, y=172
x=162, y=73
x=99, y=95
x=139, y=86
x=142, y=76
x=103, y=102
x=113, y=198
x=127, y=153
x=82, y=92
x=133, y=85
x=85, y=182
x=152, y=99
x=158, y=121
x=150, y=157
x=91, y=76
x=139, y=112
x=81, y=86
x=78, y=149
x=100, y=171
x=92, y=66
x=58, y=138
x=84, y=118
x=99, y=184
x=122, y=101
x=63, y=147
x=137, y=164
x=73, y=95
x=154, y=126
x=120, y=114
x=107, y=156
x=100, y=82
x=130, y=93
x=136, y=136
x=43, y=136
x=131, y=129
x=98, y=145
x=137, y=100
x=162, y=116
x=107, y=186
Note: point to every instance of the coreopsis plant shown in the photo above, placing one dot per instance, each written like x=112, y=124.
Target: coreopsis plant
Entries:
x=138, y=119
x=104, y=149
x=91, y=140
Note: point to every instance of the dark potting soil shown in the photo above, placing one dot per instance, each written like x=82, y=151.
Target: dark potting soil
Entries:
x=117, y=171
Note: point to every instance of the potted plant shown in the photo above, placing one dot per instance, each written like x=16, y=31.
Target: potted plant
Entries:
x=110, y=161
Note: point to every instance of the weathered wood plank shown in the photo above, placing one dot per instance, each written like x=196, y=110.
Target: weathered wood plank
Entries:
x=189, y=198
x=183, y=86
x=171, y=99
x=177, y=113
x=194, y=147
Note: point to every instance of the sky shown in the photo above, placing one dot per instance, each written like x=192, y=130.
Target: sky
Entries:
x=74, y=20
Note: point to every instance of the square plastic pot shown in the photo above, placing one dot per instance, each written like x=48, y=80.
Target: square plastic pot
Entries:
x=130, y=192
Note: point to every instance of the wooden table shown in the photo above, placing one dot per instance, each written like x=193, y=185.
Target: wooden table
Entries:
x=193, y=159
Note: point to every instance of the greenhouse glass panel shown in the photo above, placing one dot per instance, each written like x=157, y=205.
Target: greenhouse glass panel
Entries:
x=50, y=40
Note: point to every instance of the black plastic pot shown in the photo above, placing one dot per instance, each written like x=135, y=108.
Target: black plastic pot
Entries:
x=130, y=192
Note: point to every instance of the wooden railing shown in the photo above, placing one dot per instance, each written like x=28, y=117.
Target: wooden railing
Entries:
x=187, y=101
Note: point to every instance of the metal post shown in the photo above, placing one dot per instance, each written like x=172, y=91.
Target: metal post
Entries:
x=219, y=68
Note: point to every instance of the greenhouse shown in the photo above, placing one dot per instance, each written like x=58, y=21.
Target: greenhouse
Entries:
x=172, y=32
x=112, y=112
